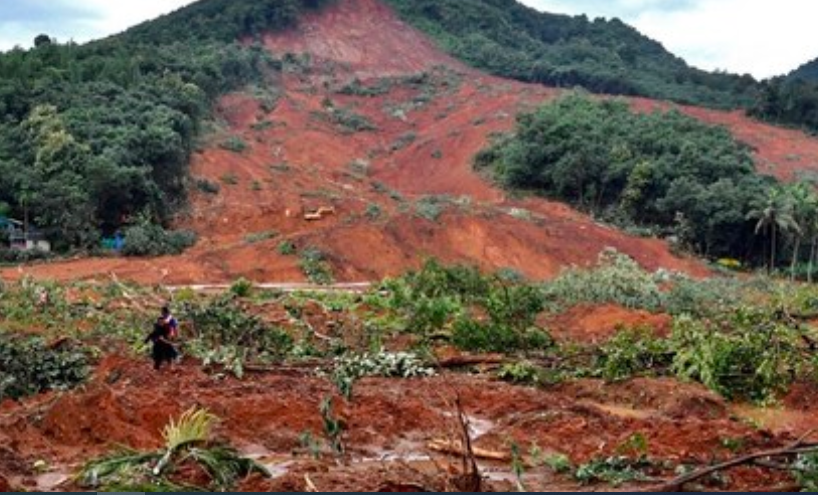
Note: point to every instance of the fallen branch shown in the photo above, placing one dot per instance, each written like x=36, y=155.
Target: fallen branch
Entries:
x=456, y=449
x=798, y=447
x=469, y=360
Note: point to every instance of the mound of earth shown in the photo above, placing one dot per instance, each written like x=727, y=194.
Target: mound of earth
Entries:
x=598, y=324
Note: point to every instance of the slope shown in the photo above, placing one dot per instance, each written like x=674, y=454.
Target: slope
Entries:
x=509, y=39
x=403, y=191
x=373, y=121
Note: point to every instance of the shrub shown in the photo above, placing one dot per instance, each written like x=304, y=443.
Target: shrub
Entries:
x=483, y=314
x=351, y=122
x=404, y=141
x=260, y=237
x=634, y=353
x=744, y=355
x=28, y=366
x=242, y=288
x=147, y=239
x=234, y=144
x=430, y=208
x=617, y=279
x=351, y=368
x=226, y=335
x=287, y=248
x=315, y=266
x=207, y=187
x=476, y=336
x=373, y=212
x=230, y=179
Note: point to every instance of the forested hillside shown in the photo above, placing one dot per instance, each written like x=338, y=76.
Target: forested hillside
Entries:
x=92, y=136
x=663, y=173
x=808, y=71
x=791, y=100
x=509, y=39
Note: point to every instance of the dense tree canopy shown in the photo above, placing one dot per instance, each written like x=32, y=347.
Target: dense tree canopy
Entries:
x=664, y=171
x=509, y=39
x=93, y=135
x=789, y=101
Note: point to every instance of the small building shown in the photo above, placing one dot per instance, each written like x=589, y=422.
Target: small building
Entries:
x=22, y=239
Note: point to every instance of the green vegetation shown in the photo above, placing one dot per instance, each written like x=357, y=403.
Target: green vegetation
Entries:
x=789, y=101
x=188, y=442
x=149, y=239
x=663, y=172
x=29, y=366
x=613, y=470
x=316, y=267
x=235, y=144
x=352, y=367
x=508, y=39
x=287, y=248
x=475, y=312
x=223, y=21
x=227, y=337
x=349, y=121
x=93, y=134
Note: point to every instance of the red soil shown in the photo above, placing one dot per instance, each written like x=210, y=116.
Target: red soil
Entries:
x=594, y=325
x=303, y=161
x=126, y=404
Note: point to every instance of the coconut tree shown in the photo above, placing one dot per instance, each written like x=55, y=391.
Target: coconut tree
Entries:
x=774, y=213
x=803, y=203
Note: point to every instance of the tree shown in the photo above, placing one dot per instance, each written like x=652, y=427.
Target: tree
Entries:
x=42, y=40
x=774, y=213
x=803, y=199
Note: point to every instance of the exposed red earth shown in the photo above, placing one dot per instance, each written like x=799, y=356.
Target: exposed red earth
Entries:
x=424, y=144
x=426, y=136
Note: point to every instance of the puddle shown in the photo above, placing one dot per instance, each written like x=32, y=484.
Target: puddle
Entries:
x=277, y=465
x=50, y=482
x=479, y=428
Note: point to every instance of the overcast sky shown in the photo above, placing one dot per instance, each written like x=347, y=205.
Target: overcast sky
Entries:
x=761, y=37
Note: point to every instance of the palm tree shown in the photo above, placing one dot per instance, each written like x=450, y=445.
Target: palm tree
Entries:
x=774, y=214
x=803, y=201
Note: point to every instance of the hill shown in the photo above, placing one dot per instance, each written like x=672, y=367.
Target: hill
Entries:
x=351, y=109
x=509, y=39
x=808, y=71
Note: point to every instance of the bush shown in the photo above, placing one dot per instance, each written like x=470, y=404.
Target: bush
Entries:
x=617, y=279
x=315, y=266
x=745, y=355
x=475, y=336
x=28, y=366
x=351, y=122
x=234, y=144
x=152, y=240
x=208, y=187
x=482, y=313
x=430, y=208
x=634, y=353
x=351, y=368
x=226, y=335
x=287, y=248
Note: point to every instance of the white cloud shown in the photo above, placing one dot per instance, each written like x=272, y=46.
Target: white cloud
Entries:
x=745, y=36
x=82, y=20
